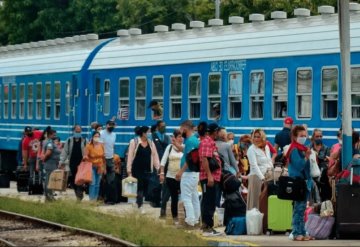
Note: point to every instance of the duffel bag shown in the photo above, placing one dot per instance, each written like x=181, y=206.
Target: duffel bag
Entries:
x=319, y=227
x=236, y=226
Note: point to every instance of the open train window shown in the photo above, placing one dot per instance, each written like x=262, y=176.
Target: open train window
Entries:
x=6, y=101
x=107, y=97
x=257, y=91
x=124, y=96
x=57, y=98
x=68, y=98
x=235, y=95
x=280, y=96
x=355, y=92
x=329, y=92
x=47, y=100
x=13, y=101
x=158, y=95
x=214, y=93
x=30, y=100
x=22, y=101
x=194, y=96
x=175, y=96
x=140, y=97
x=303, y=93
x=38, y=100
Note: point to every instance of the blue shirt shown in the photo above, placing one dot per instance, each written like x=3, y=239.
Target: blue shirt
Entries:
x=283, y=138
x=299, y=167
x=190, y=143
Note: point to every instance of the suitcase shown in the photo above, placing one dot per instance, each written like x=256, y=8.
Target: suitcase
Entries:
x=36, y=185
x=58, y=180
x=22, y=178
x=4, y=181
x=279, y=214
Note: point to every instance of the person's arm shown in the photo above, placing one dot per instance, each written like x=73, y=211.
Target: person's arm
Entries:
x=65, y=153
x=233, y=161
x=25, y=153
x=130, y=157
x=48, y=152
x=163, y=162
x=155, y=156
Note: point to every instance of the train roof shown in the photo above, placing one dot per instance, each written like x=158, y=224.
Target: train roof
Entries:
x=50, y=56
x=303, y=35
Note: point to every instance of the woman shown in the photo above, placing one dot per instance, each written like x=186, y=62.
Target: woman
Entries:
x=142, y=158
x=94, y=153
x=51, y=160
x=260, y=162
x=244, y=144
x=299, y=166
x=225, y=150
x=170, y=165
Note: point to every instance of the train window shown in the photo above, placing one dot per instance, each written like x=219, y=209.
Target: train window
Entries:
x=235, y=95
x=214, y=93
x=38, y=100
x=257, y=85
x=158, y=95
x=107, y=97
x=303, y=93
x=1, y=94
x=57, y=95
x=68, y=98
x=47, y=100
x=175, y=96
x=124, y=95
x=30, y=100
x=355, y=92
x=280, y=97
x=329, y=92
x=6, y=101
x=22, y=101
x=194, y=96
x=13, y=100
x=140, y=98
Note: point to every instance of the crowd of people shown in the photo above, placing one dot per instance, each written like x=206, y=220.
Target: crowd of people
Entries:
x=159, y=163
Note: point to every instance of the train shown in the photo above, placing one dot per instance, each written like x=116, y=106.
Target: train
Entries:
x=257, y=72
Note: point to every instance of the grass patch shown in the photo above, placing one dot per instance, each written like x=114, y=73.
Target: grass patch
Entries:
x=134, y=228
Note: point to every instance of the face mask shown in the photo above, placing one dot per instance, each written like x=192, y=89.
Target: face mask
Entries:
x=96, y=139
x=242, y=145
x=110, y=129
x=340, y=141
x=162, y=130
x=54, y=138
x=231, y=142
x=77, y=135
x=30, y=134
x=318, y=141
x=301, y=140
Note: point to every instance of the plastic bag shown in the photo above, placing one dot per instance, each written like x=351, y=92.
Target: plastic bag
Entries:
x=314, y=167
x=84, y=173
x=254, y=219
x=129, y=187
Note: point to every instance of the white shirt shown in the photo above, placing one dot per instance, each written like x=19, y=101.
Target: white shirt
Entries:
x=174, y=161
x=259, y=160
x=109, y=143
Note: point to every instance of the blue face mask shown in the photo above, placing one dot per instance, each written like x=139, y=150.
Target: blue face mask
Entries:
x=77, y=135
x=318, y=141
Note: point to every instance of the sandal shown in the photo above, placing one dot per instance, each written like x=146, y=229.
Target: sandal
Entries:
x=307, y=238
x=299, y=238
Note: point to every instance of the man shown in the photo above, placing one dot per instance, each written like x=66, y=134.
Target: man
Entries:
x=71, y=156
x=30, y=147
x=157, y=109
x=216, y=109
x=283, y=138
x=108, y=137
x=209, y=180
x=189, y=179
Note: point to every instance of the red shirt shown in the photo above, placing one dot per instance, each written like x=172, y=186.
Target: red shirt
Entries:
x=32, y=144
x=208, y=149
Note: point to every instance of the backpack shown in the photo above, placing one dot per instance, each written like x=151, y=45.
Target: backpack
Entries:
x=193, y=160
x=235, y=206
x=229, y=182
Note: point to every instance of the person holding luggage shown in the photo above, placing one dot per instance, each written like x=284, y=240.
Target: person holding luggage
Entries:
x=51, y=160
x=225, y=150
x=142, y=159
x=299, y=166
x=169, y=166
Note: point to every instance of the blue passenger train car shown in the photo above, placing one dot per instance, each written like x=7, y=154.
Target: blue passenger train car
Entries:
x=258, y=72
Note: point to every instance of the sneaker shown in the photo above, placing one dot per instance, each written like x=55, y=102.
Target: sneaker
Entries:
x=210, y=232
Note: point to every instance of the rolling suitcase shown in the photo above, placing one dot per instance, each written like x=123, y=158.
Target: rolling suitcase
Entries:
x=36, y=185
x=347, y=210
x=279, y=214
x=22, y=178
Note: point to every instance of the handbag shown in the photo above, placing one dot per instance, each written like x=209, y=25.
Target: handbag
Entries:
x=84, y=173
x=213, y=164
x=291, y=188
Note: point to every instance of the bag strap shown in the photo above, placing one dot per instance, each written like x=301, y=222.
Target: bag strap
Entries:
x=167, y=162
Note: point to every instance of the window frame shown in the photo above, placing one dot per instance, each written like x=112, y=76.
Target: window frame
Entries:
x=120, y=98
x=47, y=101
x=303, y=94
x=40, y=100
x=322, y=94
x=355, y=66
x=273, y=94
x=159, y=99
x=67, y=98
x=57, y=100
x=235, y=95
x=1, y=101
x=194, y=97
x=105, y=95
x=6, y=101
x=175, y=97
x=140, y=97
x=14, y=102
x=22, y=100
x=213, y=96
x=256, y=95
x=29, y=100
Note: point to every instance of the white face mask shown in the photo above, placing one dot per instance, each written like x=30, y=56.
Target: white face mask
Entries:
x=340, y=141
x=301, y=140
x=96, y=139
x=231, y=142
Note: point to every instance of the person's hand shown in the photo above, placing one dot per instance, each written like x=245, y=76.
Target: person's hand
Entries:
x=162, y=178
x=178, y=175
x=129, y=174
x=37, y=168
x=210, y=181
x=308, y=153
x=25, y=168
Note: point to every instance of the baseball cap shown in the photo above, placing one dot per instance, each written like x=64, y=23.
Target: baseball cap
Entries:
x=152, y=103
x=212, y=127
x=288, y=120
x=27, y=129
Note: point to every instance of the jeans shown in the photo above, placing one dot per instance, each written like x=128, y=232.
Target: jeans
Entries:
x=173, y=188
x=95, y=184
x=208, y=203
x=190, y=197
x=49, y=195
x=110, y=182
x=143, y=184
x=298, y=223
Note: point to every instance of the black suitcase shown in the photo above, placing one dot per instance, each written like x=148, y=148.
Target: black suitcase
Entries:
x=347, y=211
x=22, y=178
x=36, y=185
x=4, y=181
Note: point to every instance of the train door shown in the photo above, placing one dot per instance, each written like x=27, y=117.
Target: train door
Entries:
x=101, y=108
x=72, y=97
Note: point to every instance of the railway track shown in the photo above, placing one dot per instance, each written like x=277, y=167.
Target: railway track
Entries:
x=21, y=230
